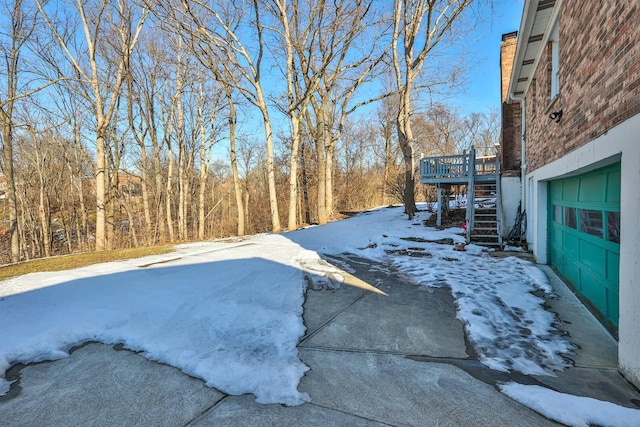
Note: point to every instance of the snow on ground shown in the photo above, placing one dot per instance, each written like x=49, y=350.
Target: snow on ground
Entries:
x=230, y=312
x=505, y=321
x=575, y=411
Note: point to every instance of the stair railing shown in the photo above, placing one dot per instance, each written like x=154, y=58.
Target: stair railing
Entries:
x=471, y=191
x=498, y=201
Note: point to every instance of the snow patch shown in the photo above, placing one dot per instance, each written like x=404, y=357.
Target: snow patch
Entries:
x=575, y=411
x=505, y=321
x=230, y=312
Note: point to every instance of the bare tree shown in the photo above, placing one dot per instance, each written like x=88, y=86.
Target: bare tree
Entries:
x=151, y=73
x=39, y=156
x=386, y=116
x=126, y=22
x=419, y=26
x=21, y=26
x=330, y=65
x=241, y=202
x=212, y=26
x=207, y=103
x=139, y=130
x=482, y=130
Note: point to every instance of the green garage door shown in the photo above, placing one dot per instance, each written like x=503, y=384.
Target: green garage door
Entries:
x=584, y=236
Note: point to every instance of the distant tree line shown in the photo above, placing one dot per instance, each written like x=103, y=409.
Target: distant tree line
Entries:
x=132, y=123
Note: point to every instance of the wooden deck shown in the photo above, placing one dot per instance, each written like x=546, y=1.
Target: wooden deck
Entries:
x=481, y=175
x=455, y=169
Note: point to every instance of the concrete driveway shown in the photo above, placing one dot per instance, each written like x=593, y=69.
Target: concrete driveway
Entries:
x=394, y=360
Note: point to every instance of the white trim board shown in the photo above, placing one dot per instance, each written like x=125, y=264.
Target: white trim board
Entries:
x=621, y=143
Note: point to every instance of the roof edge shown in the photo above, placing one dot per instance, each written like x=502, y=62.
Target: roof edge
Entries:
x=529, y=14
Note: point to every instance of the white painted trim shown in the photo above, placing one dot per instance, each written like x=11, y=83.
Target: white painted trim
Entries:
x=621, y=143
x=523, y=36
x=555, y=60
x=526, y=22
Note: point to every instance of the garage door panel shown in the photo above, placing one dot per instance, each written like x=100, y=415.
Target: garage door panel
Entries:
x=593, y=290
x=555, y=188
x=570, y=244
x=613, y=187
x=593, y=256
x=570, y=191
x=583, y=240
x=555, y=254
x=613, y=304
x=571, y=271
x=613, y=268
x=592, y=188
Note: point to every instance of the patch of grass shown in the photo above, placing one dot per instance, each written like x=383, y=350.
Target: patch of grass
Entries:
x=67, y=262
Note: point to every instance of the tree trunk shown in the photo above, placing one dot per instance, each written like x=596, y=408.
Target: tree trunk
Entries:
x=405, y=139
x=322, y=182
x=305, y=185
x=110, y=208
x=242, y=209
x=330, y=152
x=45, y=217
x=132, y=228
x=182, y=214
x=100, y=178
x=202, y=187
x=245, y=198
x=271, y=175
x=148, y=238
x=168, y=198
x=387, y=161
x=7, y=134
x=159, y=234
x=293, y=177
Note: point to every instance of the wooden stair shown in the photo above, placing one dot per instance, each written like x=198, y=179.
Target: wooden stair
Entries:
x=484, y=210
x=482, y=177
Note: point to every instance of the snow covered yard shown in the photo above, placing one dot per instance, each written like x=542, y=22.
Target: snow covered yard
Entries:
x=230, y=312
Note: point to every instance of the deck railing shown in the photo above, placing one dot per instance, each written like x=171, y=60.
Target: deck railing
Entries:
x=440, y=167
x=486, y=165
x=474, y=172
x=456, y=168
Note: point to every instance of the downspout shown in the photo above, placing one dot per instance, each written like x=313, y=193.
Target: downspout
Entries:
x=523, y=150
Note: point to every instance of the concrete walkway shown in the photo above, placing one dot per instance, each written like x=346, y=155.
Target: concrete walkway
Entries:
x=375, y=360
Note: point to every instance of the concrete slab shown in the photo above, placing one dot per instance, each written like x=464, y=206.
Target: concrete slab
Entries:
x=375, y=360
x=597, y=347
x=100, y=386
x=599, y=383
x=411, y=320
x=596, y=360
x=244, y=411
x=322, y=306
x=398, y=391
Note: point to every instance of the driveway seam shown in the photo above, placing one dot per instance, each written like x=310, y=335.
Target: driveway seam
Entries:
x=202, y=414
x=350, y=413
x=330, y=319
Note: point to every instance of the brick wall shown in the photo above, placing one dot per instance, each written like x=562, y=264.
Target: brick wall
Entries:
x=511, y=144
x=507, y=53
x=510, y=141
x=599, y=78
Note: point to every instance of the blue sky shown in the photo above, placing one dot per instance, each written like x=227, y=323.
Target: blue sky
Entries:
x=483, y=92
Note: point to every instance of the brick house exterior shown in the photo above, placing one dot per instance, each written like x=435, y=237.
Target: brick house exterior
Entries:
x=510, y=146
x=600, y=75
x=575, y=79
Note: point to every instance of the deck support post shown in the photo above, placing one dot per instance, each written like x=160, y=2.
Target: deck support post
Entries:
x=439, y=214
